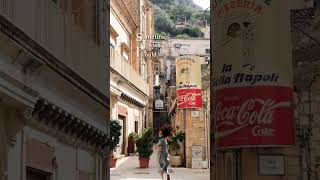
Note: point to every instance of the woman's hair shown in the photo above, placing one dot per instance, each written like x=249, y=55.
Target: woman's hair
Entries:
x=166, y=130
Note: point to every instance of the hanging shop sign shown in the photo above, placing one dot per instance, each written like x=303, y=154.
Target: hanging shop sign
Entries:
x=188, y=82
x=253, y=74
x=188, y=71
x=158, y=104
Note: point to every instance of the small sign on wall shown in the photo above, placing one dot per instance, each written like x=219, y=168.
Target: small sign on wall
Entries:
x=195, y=113
x=271, y=165
x=197, y=157
x=158, y=104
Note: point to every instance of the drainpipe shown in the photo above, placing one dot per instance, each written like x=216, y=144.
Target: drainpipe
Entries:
x=183, y=128
x=205, y=131
x=308, y=134
x=317, y=166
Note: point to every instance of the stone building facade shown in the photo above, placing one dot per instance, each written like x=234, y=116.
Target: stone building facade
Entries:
x=53, y=84
x=130, y=90
x=146, y=58
x=195, y=123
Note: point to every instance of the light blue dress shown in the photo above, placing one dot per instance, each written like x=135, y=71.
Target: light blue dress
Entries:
x=163, y=155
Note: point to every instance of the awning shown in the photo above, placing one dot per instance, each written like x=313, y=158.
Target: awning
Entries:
x=131, y=100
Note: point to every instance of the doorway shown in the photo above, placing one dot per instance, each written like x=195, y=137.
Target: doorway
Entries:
x=121, y=145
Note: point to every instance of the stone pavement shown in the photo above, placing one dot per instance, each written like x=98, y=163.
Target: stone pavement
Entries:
x=128, y=169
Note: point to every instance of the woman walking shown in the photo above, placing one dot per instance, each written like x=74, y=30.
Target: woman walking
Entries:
x=163, y=152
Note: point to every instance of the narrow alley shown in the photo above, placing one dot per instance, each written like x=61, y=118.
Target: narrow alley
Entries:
x=128, y=169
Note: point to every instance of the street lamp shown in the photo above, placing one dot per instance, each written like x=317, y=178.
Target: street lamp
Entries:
x=204, y=15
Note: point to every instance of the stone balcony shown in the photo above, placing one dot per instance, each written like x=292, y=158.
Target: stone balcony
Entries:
x=120, y=65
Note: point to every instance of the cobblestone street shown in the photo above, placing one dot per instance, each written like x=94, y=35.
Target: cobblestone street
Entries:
x=128, y=169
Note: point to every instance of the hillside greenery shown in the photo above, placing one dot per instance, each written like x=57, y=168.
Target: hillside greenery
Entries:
x=169, y=12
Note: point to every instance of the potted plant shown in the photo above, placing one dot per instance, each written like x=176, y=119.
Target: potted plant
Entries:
x=115, y=133
x=175, y=149
x=144, y=143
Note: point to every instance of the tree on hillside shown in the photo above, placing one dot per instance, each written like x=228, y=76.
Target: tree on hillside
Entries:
x=201, y=14
x=163, y=23
x=181, y=12
x=182, y=36
x=163, y=2
x=167, y=13
x=189, y=31
x=192, y=32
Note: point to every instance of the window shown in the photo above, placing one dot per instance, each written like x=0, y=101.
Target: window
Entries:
x=125, y=56
x=125, y=52
x=136, y=126
x=144, y=72
x=54, y=1
x=112, y=52
x=156, y=50
x=177, y=45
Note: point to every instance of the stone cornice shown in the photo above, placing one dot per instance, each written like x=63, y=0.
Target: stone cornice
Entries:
x=64, y=122
x=35, y=49
x=124, y=15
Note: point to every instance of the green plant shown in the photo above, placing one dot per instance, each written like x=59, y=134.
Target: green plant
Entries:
x=163, y=22
x=182, y=36
x=144, y=143
x=133, y=134
x=175, y=144
x=115, y=133
x=180, y=12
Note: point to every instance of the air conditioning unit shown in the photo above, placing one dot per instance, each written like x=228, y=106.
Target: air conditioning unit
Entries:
x=177, y=45
x=207, y=59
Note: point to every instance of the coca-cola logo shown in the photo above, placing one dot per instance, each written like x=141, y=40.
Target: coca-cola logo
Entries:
x=256, y=113
x=188, y=98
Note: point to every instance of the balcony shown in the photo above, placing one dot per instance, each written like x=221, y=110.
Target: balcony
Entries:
x=118, y=63
x=58, y=33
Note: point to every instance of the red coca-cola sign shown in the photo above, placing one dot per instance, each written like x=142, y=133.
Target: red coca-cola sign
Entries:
x=189, y=98
x=254, y=116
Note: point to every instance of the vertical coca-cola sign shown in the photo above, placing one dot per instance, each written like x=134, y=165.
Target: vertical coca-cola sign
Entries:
x=253, y=74
x=188, y=81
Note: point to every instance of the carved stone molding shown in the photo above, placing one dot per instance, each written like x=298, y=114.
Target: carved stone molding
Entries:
x=65, y=125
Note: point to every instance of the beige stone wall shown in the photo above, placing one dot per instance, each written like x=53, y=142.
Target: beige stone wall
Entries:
x=133, y=7
x=195, y=133
x=303, y=118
